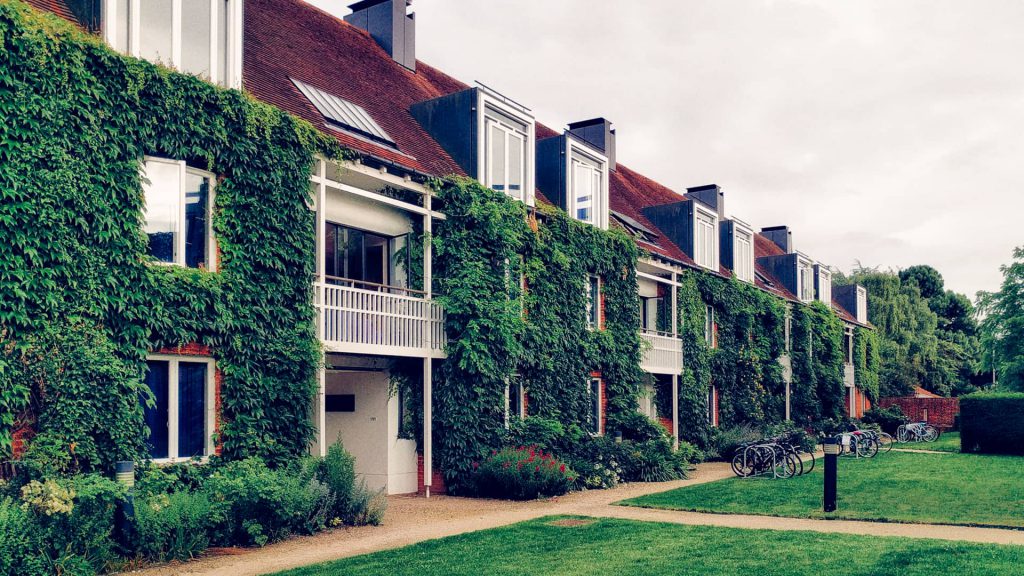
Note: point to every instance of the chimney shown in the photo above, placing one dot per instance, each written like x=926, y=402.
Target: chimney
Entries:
x=782, y=237
x=710, y=194
x=599, y=133
x=390, y=25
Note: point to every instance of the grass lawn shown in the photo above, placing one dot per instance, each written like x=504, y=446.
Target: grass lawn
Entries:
x=623, y=547
x=947, y=442
x=898, y=486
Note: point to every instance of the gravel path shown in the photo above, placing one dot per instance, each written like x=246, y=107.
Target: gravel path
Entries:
x=411, y=519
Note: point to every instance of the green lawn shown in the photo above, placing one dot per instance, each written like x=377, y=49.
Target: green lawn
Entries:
x=898, y=486
x=623, y=548
x=947, y=442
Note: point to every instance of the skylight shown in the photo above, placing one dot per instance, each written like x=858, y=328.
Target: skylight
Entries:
x=345, y=115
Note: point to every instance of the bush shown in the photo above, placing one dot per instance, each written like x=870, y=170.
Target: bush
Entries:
x=888, y=419
x=992, y=422
x=254, y=505
x=172, y=526
x=338, y=472
x=725, y=440
x=544, y=434
x=635, y=426
x=523, y=473
x=651, y=461
x=16, y=545
x=595, y=459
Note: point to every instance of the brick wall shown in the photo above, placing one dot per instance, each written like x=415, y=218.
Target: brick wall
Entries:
x=939, y=412
x=666, y=423
x=436, y=480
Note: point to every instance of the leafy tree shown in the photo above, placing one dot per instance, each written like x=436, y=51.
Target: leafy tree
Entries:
x=927, y=279
x=1003, y=326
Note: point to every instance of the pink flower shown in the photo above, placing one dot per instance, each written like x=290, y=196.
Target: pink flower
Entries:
x=519, y=466
x=562, y=468
x=538, y=468
x=476, y=465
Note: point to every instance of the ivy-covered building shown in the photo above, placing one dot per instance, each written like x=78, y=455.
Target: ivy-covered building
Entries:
x=469, y=264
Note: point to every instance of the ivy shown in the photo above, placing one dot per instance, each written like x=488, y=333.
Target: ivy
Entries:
x=76, y=119
x=866, y=361
x=817, y=390
x=497, y=331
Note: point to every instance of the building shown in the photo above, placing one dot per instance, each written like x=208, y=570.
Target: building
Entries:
x=358, y=80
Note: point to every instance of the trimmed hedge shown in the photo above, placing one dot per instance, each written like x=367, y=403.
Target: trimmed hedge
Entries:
x=992, y=422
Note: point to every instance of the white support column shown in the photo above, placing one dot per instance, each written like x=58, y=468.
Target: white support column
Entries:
x=675, y=306
x=428, y=422
x=788, y=415
x=321, y=238
x=321, y=411
x=675, y=411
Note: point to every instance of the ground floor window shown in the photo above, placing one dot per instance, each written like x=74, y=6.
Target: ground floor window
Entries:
x=713, y=406
x=594, y=418
x=515, y=399
x=181, y=421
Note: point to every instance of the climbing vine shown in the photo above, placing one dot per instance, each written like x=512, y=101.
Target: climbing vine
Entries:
x=76, y=120
x=817, y=390
x=866, y=361
x=486, y=249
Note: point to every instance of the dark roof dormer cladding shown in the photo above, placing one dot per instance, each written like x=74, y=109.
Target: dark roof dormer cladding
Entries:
x=391, y=25
x=711, y=195
x=781, y=236
x=573, y=174
x=599, y=133
x=677, y=220
x=853, y=298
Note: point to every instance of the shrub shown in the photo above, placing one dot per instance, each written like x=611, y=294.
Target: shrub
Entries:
x=595, y=459
x=635, y=426
x=725, y=440
x=16, y=542
x=172, y=526
x=254, y=505
x=888, y=419
x=651, y=461
x=992, y=422
x=523, y=473
x=366, y=507
x=338, y=471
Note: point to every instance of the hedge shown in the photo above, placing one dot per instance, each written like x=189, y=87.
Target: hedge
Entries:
x=992, y=422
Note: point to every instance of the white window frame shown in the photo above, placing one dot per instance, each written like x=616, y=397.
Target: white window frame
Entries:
x=230, y=78
x=824, y=281
x=743, y=264
x=179, y=241
x=593, y=316
x=594, y=383
x=788, y=329
x=862, y=304
x=804, y=285
x=599, y=202
x=485, y=101
x=712, y=405
x=706, y=220
x=709, y=326
x=848, y=342
x=521, y=400
x=172, y=404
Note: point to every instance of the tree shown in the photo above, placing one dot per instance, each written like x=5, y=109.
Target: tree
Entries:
x=927, y=279
x=1003, y=326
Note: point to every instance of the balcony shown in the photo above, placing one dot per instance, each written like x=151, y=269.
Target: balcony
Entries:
x=366, y=318
x=663, y=353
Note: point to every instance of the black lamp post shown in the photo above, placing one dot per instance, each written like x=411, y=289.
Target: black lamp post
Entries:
x=831, y=469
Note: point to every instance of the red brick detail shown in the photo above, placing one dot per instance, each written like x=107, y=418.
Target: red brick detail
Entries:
x=939, y=412
x=666, y=423
x=861, y=403
x=19, y=442
x=436, y=479
x=193, y=349
x=526, y=403
x=714, y=412
x=604, y=405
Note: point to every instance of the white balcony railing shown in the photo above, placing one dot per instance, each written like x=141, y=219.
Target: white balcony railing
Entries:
x=366, y=321
x=663, y=354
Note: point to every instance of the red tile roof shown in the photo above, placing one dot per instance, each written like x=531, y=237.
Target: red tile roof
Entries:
x=58, y=7
x=764, y=247
x=287, y=39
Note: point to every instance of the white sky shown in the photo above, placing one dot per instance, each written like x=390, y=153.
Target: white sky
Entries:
x=886, y=132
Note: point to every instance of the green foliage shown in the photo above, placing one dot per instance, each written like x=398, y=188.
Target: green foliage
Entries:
x=76, y=119
x=173, y=526
x=483, y=247
x=888, y=419
x=523, y=473
x=866, y=361
x=992, y=422
x=338, y=472
x=651, y=460
x=818, y=390
x=635, y=426
x=1003, y=326
x=927, y=279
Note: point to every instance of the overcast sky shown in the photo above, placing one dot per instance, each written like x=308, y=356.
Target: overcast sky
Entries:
x=890, y=133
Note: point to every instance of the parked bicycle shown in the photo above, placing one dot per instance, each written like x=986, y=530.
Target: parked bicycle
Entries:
x=917, y=432
x=781, y=457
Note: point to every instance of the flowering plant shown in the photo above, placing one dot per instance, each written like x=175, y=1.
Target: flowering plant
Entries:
x=522, y=473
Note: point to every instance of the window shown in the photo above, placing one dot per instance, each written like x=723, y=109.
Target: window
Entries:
x=177, y=213
x=649, y=313
x=705, y=239
x=594, y=391
x=505, y=142
x=862, y=304
x=194, y=36
x=848, y=344
x=181, y=421
x=743, y=255
x=345, y=115
x=712, y=405
x=515, y=399
x=586, y=187
x=805, y=281
x=824, y=284
x=710, y=337
x=789, y=329
x=365, y=259
x=594, y=302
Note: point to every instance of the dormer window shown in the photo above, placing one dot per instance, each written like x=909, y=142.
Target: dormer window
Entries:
x=805, y=280
x=588, y=184
x=742, y=252
x=823, y=284
x=505, y=145
x=201, y=37
x=705, y=237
